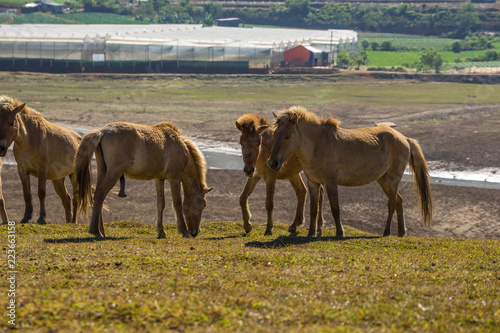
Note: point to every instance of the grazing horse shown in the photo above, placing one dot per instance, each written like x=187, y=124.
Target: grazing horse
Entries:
x=3, y=212
x=256, y=143
x=42, y=149
x=144, y=152
x=332, y=156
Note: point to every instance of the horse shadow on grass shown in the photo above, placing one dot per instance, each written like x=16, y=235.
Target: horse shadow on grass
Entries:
x=283, y=241
x=82, y=239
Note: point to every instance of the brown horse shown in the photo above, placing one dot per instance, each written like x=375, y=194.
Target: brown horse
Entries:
x=256, y=143
x=42, y=149
x=3, y=212
x=332, y=156
x=144, y=153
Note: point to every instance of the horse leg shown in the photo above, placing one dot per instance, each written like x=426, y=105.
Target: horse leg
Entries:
x=270, y=186
x=301, y=193
x=122, y=194
x=333, y=197
x=74, y=185
x=313, y=193
x=160, y=205
x=389, y=185
x=245, y=209
x=102, y=189
x=175, y=189
x=62, y=192
x=42, y=190
x=3, y=212
x=321, y=220
x=28, y=210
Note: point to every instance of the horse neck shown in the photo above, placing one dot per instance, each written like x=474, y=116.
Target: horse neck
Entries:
x=25, y=123
x=189, y=179
x=308, y=139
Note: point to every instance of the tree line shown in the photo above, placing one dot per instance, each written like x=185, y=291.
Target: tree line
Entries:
x=403, y=18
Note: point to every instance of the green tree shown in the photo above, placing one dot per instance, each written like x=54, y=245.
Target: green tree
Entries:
x=343, y=59
x=456, y=46
x=361, y=59
x=299, y=8
x=213, y=8
x=374, y=45
x=386, y=46
x=467, y=20
x=432, y=59
x=365, y=44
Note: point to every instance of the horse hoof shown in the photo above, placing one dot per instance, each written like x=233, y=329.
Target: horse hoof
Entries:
x=268, y=233
x=25, y=220
x=292, y=229
x=247, y=227
x=311, y=235
x=162, y=235
x=41, y=221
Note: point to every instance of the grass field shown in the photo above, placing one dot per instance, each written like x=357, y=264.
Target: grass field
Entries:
x=222, y=281
x=410, y=41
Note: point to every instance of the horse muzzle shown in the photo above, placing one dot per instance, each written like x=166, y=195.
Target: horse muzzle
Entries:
x=249, y=171
x=194, y=232
x=275, y=163
x=3, y=148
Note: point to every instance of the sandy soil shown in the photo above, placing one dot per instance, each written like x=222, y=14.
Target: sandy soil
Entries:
x=466, y=137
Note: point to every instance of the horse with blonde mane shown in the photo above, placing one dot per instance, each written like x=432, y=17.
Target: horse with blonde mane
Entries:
x=42, y=149
x=256, y=142
x=332, y=156
x=144, y=152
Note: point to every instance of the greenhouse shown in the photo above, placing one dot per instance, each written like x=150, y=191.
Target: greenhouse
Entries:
x=161, y=48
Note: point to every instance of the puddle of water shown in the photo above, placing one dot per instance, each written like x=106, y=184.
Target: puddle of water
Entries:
x=485, y=178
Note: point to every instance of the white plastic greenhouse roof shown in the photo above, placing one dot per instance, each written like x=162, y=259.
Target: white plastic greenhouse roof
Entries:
x=193, y=34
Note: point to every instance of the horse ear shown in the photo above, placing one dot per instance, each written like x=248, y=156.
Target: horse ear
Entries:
x=19, y=108
x=275, y=115
x=294, y=118
x=238, y=126
x=262, y=128
x=207, y=190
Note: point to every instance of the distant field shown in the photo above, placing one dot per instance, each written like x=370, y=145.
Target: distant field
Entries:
x=74, y=18
x=418, y=42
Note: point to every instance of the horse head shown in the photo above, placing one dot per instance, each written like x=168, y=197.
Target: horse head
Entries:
x=286, y=140
x=250, y=141
x=8, y=125
x=192, y=207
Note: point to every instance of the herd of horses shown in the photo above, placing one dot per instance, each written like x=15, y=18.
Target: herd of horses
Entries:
x=297, y=142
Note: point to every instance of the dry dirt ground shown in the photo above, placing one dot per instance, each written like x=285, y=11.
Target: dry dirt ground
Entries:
x=459, y=212
x=453, y=141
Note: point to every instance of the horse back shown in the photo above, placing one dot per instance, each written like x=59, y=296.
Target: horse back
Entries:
x=143, y=152
x=47, y=146
x=360, y=156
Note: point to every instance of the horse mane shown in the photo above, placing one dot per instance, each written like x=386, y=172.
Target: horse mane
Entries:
x=303, y=116
x=252, y=120
x=10, y=103
x=169, y=125
x=199, y=161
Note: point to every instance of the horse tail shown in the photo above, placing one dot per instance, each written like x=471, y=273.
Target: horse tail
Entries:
x=83, y=170
x=421, y=173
